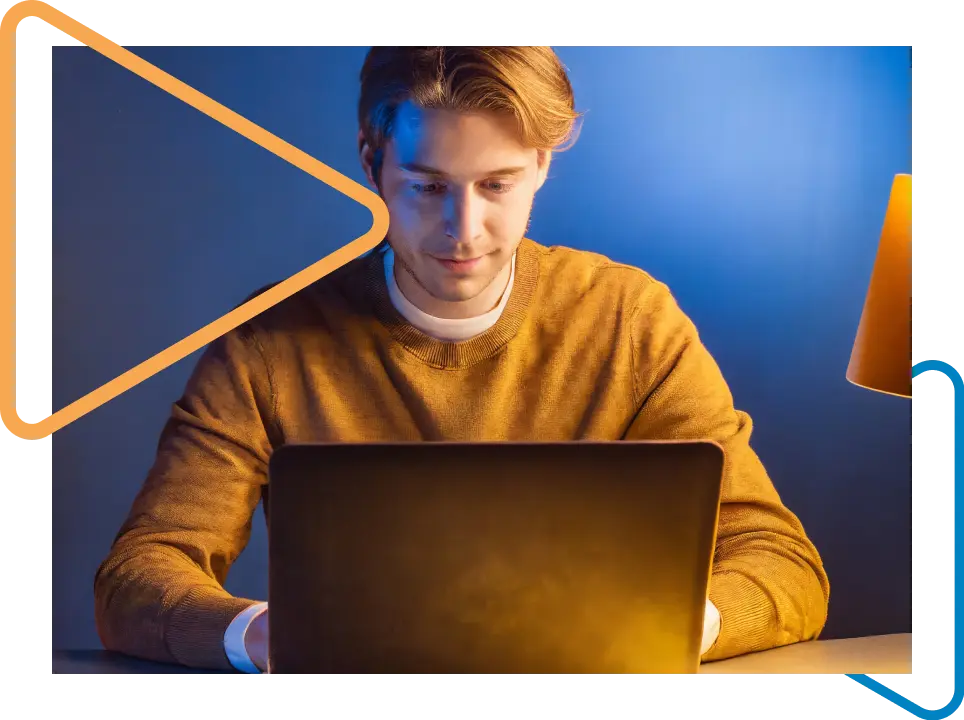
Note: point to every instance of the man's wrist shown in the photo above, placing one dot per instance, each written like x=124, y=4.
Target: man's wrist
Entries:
x=711, y=627
x=234, y=646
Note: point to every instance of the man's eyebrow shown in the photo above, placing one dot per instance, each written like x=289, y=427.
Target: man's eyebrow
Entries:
x=426, y=170
x=420, y=169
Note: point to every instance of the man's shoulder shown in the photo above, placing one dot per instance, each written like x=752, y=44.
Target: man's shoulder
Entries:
x=349, y=271
x=585, y=272
x=616, y=295
x=257, y=293
x=341, y=287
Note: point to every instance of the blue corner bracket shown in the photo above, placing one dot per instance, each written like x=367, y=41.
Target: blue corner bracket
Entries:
x=955, y=702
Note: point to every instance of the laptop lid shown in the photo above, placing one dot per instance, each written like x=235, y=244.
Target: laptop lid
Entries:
x=490, y=557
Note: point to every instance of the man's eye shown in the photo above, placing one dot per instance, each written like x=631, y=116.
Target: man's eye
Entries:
x=426, y=188
x=499, y=187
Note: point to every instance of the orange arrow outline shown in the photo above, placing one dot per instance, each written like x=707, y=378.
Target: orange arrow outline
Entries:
x=207, y=334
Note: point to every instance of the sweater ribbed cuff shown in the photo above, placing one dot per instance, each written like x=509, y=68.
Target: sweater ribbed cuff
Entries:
x=747, y=616
x=195, y=628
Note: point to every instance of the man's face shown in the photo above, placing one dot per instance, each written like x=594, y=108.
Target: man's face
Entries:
x=459, y=189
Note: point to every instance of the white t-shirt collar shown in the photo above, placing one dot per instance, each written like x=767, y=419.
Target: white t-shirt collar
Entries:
x=449, y=330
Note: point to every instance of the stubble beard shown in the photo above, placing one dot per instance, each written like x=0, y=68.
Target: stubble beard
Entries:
x=406, y=268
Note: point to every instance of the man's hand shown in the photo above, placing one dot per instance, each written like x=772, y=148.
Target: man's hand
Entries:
x=256, y=641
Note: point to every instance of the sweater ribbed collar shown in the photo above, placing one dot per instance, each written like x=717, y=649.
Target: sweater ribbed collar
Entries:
x=467, y=352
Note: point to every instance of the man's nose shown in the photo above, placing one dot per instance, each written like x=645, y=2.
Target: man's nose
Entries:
x=463, y=215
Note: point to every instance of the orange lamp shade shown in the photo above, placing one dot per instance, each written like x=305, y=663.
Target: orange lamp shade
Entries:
x=881, y=357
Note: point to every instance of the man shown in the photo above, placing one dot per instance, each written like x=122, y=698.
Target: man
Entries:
x=457, y=328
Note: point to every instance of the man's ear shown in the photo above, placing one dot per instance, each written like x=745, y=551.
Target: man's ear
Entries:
x=367, y=157
x=544, y=159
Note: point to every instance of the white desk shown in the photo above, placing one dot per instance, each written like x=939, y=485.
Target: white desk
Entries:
x=872, y=655
x=877, y=655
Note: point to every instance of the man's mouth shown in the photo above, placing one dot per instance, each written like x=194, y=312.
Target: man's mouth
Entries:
x=458, y=265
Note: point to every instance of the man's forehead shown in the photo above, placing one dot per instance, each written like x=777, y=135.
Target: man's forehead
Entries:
x=456, y=143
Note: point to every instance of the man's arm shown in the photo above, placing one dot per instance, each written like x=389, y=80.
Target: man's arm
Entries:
x=159, y=593
x=768, y=580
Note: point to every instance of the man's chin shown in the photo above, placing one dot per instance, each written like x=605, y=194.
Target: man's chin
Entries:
x=457, y=292
x=457, y=289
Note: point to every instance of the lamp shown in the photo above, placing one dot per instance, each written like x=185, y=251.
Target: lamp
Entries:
x=881, y=356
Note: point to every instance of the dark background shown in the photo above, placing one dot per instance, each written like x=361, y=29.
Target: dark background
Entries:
x=753, y=181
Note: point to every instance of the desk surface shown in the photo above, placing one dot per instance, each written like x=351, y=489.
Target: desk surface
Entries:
x=881, y=654
x=876, y=655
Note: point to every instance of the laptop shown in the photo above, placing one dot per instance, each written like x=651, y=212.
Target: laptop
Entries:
x=490, y=557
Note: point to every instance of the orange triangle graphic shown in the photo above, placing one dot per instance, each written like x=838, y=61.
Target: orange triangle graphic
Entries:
x=210, y=332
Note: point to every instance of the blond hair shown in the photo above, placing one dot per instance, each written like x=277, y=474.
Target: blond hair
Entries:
x=528, y=83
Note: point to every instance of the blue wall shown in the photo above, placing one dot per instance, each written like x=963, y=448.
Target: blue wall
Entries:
x=753, y=181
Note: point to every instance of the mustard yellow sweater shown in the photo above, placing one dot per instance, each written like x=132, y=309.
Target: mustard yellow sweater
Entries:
x=586, y=349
